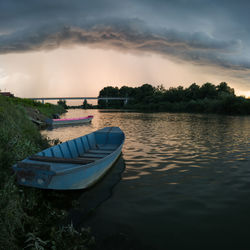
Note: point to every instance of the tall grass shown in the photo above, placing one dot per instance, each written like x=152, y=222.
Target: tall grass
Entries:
x=18, y=136
x=47, y=109
x=27, y=219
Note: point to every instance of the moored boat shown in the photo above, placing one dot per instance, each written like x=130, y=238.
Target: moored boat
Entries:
x=67, y=121
x=74, y=164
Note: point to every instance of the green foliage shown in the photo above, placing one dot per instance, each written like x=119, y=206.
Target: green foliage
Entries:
x=86, y=105
x=19, y=137
x=208, y=90
x=62, y=103
x=207, y=98
x=109, y=92
x=47, y=109
x=27, y=218
x=67, y=237
x=193, y=92
x=12, y=215
x=223, y=88
x=34, y=242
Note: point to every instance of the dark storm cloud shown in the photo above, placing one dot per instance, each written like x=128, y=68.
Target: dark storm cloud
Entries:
x=203, y=32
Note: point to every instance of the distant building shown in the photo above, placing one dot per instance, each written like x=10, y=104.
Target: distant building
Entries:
x=7, y=94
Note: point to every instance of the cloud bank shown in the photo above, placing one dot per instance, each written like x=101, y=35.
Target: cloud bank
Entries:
x=201, y=34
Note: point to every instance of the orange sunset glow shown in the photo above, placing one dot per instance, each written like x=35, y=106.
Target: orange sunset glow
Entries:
x=84, y=71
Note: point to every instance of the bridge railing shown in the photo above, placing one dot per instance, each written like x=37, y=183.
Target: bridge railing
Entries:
x=42, y=99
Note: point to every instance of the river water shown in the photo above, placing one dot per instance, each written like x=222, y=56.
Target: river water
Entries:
x=186, y=184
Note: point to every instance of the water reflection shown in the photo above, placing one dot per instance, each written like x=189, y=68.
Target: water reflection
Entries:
x=186, y=183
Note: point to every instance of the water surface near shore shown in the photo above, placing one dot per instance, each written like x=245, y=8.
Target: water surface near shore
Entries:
x=186, y=182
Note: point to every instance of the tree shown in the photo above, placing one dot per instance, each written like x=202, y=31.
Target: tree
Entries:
x=85, y=104
x=62, y=103
x=223, y=88
x=143, y=93
x=125, y=91
x=193, y=92
x=160, y=89
x=205, y=99
x=208, y=90
x=174, y=94
x=109, y=92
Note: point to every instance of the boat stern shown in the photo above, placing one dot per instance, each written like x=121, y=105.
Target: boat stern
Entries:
x=33, y=174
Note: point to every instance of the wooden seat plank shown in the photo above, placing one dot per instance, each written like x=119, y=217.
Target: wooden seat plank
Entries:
x=107, y=147
x=90, y=155
x=88, y=158
x=60, y=160
x=100, y=151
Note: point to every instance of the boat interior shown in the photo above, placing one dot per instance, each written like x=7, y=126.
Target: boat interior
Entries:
x=83, y=150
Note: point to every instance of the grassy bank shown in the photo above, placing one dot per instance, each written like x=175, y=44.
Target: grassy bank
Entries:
x=46, y=109
x=27, y=218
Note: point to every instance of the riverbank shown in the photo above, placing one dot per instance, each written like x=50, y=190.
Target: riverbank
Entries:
x=30, y=218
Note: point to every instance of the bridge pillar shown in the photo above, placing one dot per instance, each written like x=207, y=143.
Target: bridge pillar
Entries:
x=42, y=101
x=125, y=101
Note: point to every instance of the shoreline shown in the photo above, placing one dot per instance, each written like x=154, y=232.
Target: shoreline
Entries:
x=31, y=217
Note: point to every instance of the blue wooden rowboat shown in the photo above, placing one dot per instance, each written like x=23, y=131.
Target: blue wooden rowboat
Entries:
x=74, y=164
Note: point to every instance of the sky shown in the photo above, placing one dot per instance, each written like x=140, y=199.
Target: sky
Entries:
x=75, y=48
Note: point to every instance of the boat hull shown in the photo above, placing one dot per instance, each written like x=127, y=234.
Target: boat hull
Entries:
x=85, y=177
x=69, y=121
x=94, y=155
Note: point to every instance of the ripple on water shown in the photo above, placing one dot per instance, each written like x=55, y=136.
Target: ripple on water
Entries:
x=187, y=178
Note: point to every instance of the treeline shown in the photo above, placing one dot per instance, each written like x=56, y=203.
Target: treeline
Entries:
x=85, y=105
x=208, y=98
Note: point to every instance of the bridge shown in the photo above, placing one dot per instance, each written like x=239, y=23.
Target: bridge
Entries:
x=42, y=99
